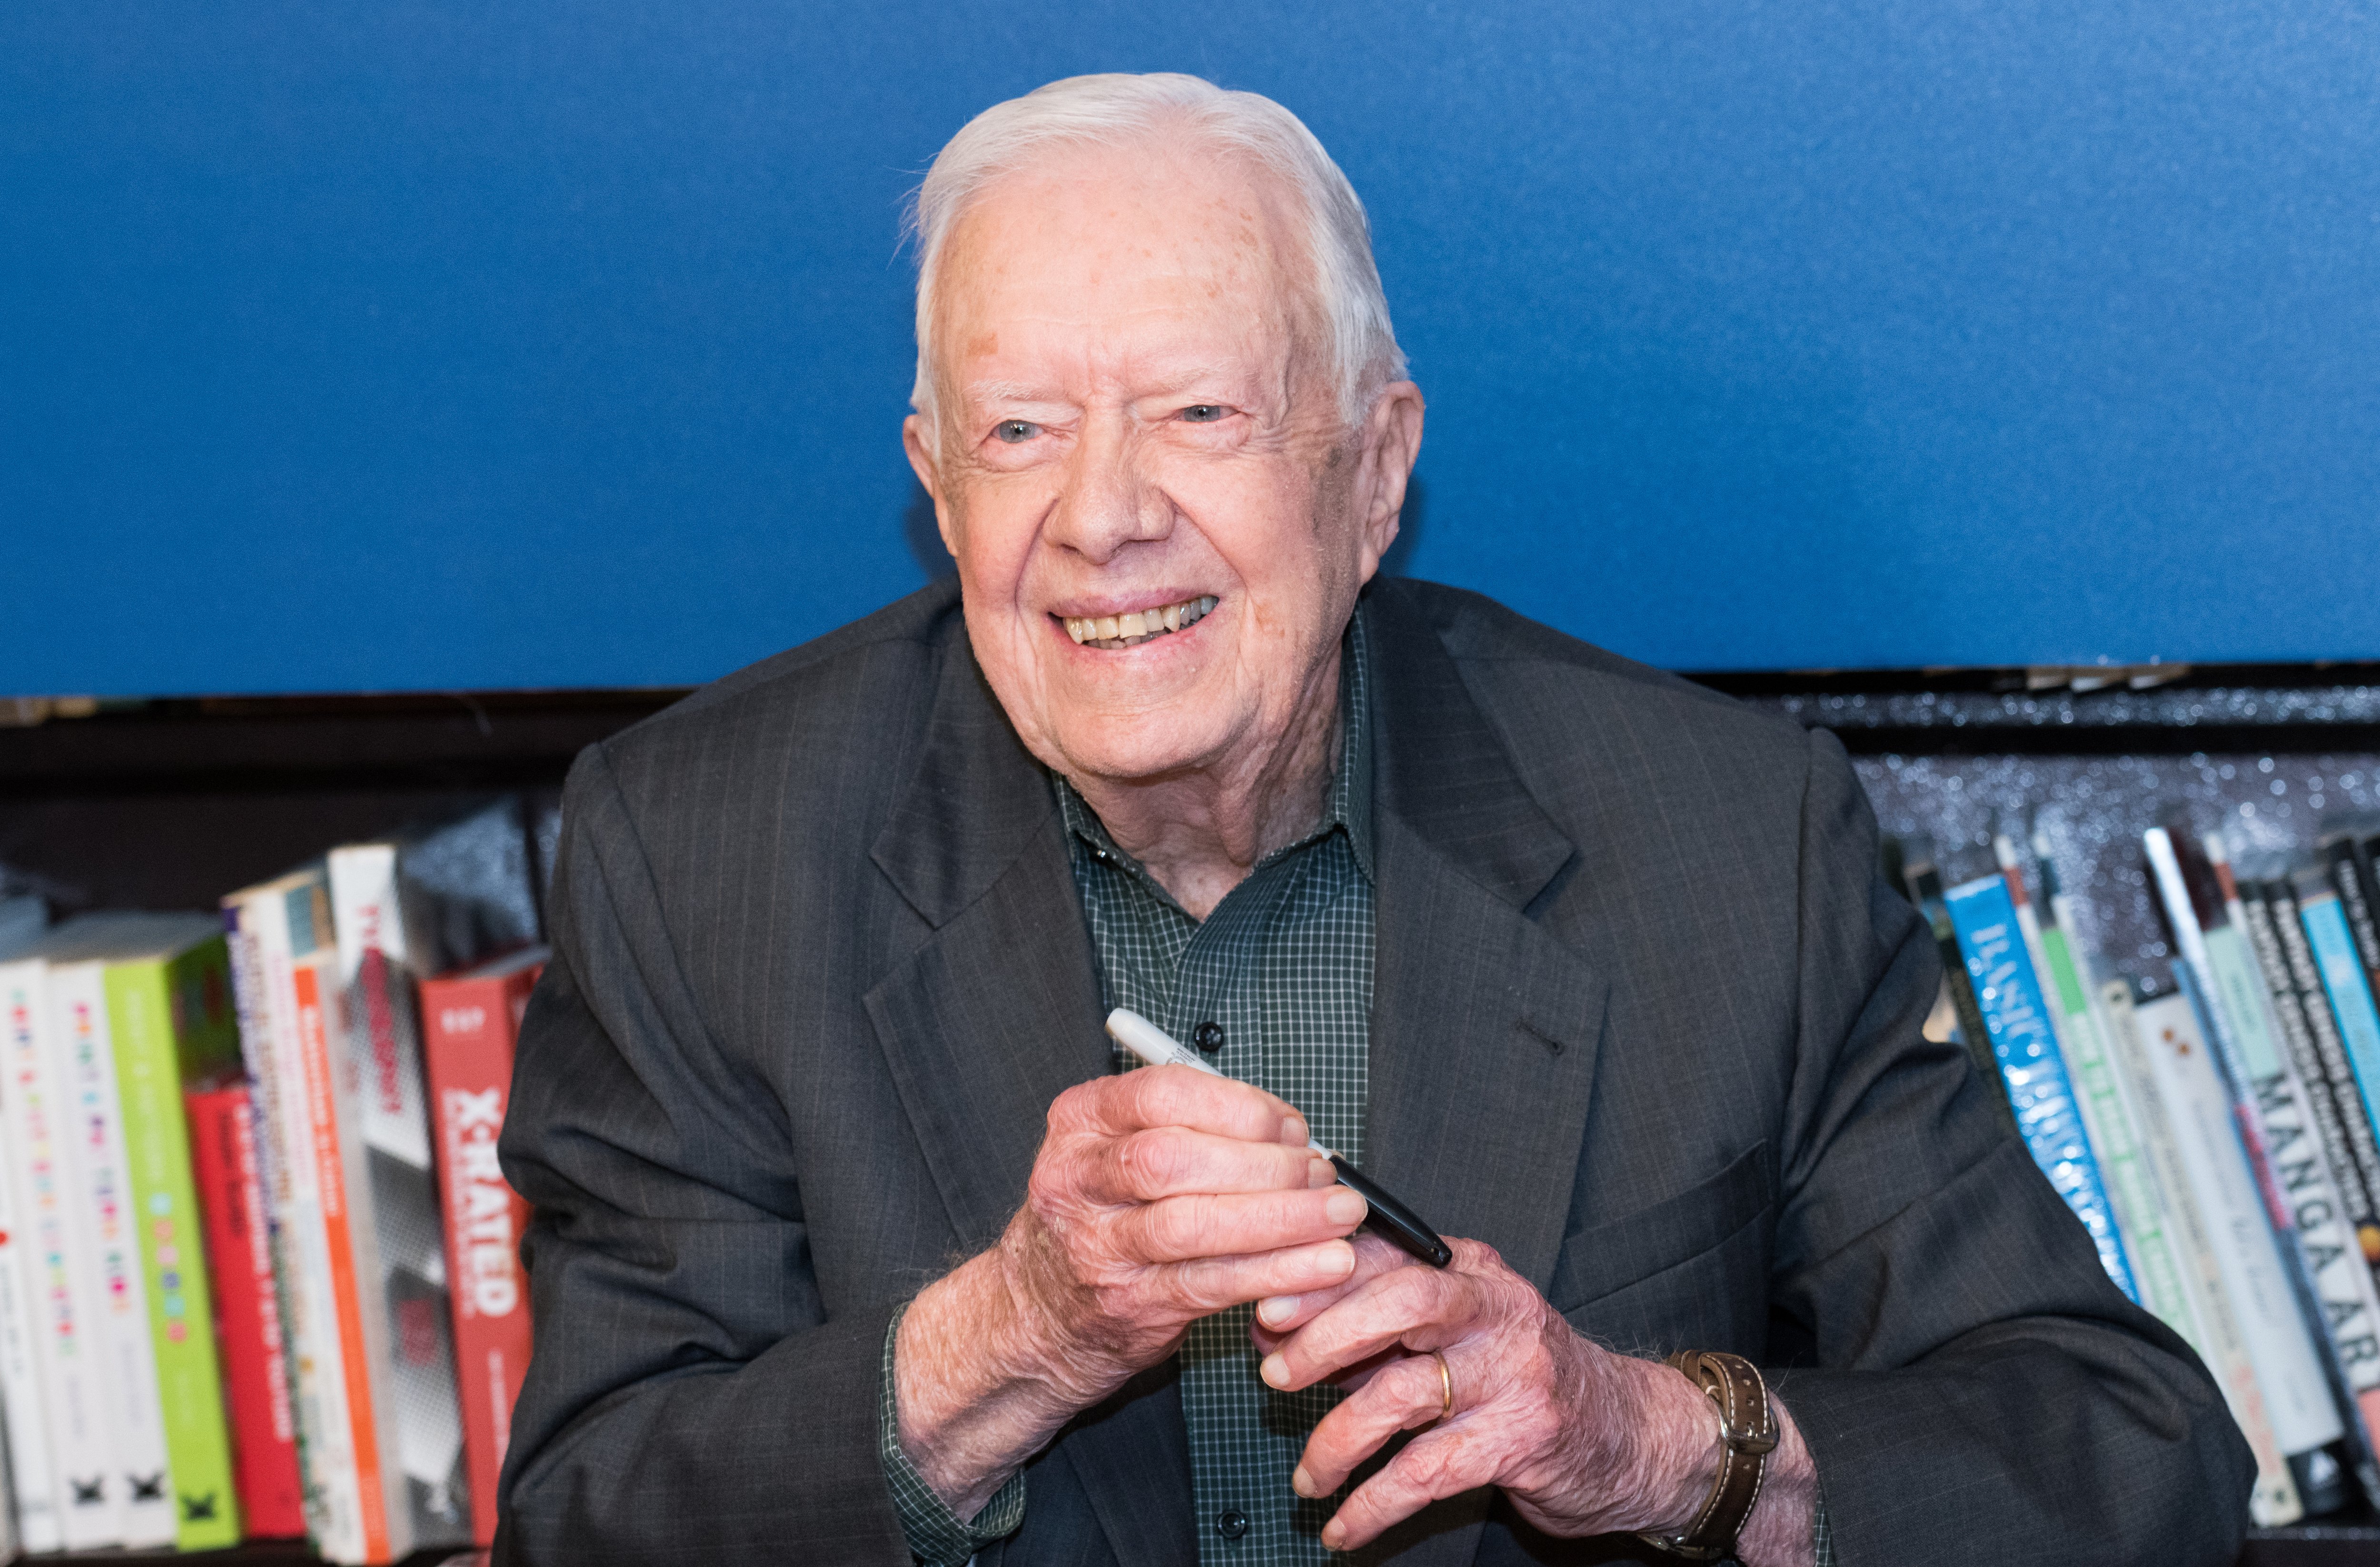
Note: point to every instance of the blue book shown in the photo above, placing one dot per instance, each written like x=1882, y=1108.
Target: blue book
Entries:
x=2342, y=980
x=2017, y=1017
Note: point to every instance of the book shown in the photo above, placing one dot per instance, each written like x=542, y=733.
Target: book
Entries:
x=2039, y=1091
x=31, y=1515
x=71, y=1369
x=2345, y=985
x=2321, y=1266
x=2307, y=1423
x=2110, y=1119
x=102, y=1201
x=169, y=1015
x=280, y=934
x=226, y=1165
x=470, y=1020
x=2221, y=1342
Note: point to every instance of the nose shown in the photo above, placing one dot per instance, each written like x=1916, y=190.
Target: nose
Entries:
x=1105, y=501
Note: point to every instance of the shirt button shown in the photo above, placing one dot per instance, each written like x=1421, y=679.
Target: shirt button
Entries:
x=1231, y=1524
x=1209, y=1036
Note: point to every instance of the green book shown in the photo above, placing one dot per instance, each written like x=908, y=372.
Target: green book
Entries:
x=169, y=1007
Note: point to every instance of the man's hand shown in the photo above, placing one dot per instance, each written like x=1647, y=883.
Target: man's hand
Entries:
x=1159, y=1196
x=1583, y=1442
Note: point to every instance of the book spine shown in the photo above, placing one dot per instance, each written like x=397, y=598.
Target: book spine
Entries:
x=2268, y=908
x=2193, y=1151
x=85, y=1059
x=1925, y=887
x=2332, y=948
x=142, y=1019
x=2357, y=899
x=469, y=1029
x=2039, y=1090
x=318, y=996
x=411, y=1313
x=256, y=1372
x=282, y=925
x=33, y=1473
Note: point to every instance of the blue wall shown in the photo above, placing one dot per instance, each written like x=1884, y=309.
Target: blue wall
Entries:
x=446, y=345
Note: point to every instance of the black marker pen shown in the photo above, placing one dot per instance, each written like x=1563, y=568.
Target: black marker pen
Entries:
x=1388, y=1217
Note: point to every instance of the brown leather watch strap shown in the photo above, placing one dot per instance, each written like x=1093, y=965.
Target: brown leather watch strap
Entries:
x=1747, y=1435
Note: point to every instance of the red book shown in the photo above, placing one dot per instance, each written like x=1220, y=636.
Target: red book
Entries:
x=468, y=1023
x=248, y=1312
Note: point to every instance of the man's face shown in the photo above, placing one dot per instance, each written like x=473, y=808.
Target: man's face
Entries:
x=1134, y=421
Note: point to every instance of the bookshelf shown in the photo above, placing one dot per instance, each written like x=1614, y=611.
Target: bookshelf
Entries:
x=167, y=804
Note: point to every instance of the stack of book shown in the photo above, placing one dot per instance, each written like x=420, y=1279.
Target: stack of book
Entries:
x=2214, y=1129
x=257, y=1264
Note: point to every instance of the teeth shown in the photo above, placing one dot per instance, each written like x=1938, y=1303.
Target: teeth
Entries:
x=1113, y=631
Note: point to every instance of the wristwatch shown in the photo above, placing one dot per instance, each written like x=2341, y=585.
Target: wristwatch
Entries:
x=1747, y=1433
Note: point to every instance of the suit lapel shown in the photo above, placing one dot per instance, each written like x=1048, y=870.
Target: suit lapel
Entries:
x=995, y=1014
x=1484, y=1027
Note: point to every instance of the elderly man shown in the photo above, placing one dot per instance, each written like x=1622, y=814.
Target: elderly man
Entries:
x=853, y=1243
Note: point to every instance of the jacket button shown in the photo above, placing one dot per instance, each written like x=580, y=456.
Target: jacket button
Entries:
x=1234, y=1524
x=1209, y=1036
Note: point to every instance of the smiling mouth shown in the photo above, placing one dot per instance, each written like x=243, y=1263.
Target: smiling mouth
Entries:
x=1110, y=632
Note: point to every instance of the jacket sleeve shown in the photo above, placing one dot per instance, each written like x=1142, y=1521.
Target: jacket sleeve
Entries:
x=1971, y=1385
x=689, y=1400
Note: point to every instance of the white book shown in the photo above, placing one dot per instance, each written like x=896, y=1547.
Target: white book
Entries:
x=388, y=939
x=70, y=1364
x=2255, y=1282
x=32, y=1511
x=84, y=1053
x=2274, y=1500
x=279, y=931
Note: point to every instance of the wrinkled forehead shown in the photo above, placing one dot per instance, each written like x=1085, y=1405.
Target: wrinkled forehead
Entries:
x=1115, y=252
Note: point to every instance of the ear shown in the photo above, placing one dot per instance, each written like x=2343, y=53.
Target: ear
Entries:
x=915, y=441
x=1392, y=445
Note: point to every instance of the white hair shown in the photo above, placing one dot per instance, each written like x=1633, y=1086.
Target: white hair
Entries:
x=1108, y=110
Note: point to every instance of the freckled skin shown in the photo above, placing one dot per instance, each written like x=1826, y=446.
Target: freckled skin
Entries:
x=1095, y=300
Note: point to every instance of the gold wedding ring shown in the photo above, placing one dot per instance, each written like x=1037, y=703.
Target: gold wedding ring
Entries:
x=1446, y=1386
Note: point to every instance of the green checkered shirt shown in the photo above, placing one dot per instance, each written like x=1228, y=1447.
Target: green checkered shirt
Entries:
x=1283, y=966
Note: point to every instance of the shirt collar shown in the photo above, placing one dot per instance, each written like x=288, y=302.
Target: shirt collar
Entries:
x=1348, y=806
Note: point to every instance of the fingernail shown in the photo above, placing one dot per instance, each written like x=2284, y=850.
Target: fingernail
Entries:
x=1301, y=1482
x=1343, y=1206
x=1275, y=1372
x=1278, y=1309
x=1319, y=1175
x=1293, y=1130
x=1332, y=1535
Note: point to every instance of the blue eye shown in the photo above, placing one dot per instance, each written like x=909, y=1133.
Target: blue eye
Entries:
x=1015, y=430
x=1202, y=413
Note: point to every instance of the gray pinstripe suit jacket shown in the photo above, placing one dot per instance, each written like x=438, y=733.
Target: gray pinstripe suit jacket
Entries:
x=1646, y=1021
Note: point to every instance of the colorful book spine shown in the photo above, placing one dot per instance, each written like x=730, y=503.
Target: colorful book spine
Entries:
x=169, y=1013
x=282, y=930
x=2110, y=1118
x=85, y=1059
x=255, y=1366
x=2344, y=983
x=32, y=1472
x=2039, y=1092
x=75, y=1394
x=1925, y=887
x=2169, y=1132
x=469, y=1025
